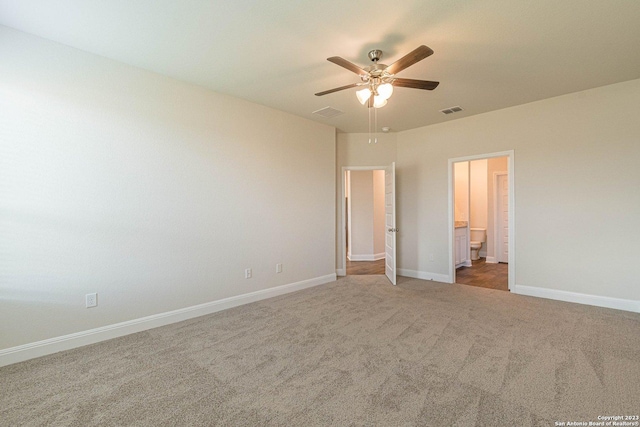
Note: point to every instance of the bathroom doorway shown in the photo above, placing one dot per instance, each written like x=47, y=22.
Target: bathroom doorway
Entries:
x=364, y=221
x=481, y=220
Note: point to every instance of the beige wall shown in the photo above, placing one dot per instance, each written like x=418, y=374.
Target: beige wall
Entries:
x=478, y=198
x=478, y=193
x=576, y=188
x=141, y=188
x=153, y=193
x=361, y=236
x=378, y=213
x=461, y=191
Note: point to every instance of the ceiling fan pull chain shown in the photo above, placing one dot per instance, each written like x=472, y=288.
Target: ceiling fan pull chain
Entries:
x=375, y=130
x=369, y=109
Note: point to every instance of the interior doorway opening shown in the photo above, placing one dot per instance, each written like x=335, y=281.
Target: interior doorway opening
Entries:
x=365, y=221
x=388, y=218
x=481, y=220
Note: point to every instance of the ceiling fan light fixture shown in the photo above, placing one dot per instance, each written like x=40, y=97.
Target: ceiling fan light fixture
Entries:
x=385, y=90
x=363, y=95
x=379, y=102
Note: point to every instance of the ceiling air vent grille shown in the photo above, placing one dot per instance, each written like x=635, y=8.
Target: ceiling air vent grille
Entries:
x=328, y=112
x=451, y=110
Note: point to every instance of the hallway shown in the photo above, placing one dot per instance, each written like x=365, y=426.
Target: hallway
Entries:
x=355, y=268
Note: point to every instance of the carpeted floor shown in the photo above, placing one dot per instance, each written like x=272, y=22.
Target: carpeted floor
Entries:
x=354, y=352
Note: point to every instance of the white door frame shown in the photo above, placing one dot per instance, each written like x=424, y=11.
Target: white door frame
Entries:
x=512, y=235
x=342, y=230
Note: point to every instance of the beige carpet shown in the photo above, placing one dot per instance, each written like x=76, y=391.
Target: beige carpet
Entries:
x=354, y=352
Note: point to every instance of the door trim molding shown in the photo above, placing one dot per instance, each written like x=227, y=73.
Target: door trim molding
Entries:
x=510, y=155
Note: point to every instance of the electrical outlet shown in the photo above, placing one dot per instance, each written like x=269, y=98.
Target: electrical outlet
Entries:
x=431, y=258
x=278, y=268
x=91, y=300
x=248, y=273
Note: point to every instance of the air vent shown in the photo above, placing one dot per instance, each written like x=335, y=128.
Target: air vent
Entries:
x=451, y=110
x=328, y=112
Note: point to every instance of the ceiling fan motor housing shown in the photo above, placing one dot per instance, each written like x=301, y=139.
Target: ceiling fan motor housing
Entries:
x=375, y=55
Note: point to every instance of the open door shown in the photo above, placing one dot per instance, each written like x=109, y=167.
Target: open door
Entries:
x=502, y=245
x=390, y=222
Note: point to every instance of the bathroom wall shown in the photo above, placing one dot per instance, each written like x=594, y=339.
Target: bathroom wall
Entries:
x=478, y=197
x=461, y=191
x=478, y=193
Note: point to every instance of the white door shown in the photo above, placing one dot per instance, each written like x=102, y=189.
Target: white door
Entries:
x=390, y=222
x=502, y=245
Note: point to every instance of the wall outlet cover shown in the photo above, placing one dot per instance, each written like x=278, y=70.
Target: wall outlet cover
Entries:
x=91, y=300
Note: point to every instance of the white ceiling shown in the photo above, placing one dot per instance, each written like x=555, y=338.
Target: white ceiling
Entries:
x=489, y=54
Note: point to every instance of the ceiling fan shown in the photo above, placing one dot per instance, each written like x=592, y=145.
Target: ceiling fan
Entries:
x=379, y=79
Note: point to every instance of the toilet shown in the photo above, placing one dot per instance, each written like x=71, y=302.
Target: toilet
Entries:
x=478, y=237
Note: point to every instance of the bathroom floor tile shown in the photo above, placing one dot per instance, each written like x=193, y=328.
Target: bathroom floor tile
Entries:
x=492, y=276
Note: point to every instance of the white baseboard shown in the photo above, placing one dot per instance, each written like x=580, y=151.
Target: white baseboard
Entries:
x=424, y=275
x=466, y=263
x=91, y=336
x=366, y=257
x=491, y=260
x=599, y=301
x=341, y=272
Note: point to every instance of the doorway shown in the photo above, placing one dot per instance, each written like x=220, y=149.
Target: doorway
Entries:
x=481, y=226
x=385, y=220
x=364, y=200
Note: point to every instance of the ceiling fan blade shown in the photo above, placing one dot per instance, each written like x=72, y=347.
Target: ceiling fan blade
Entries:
x=348, y=65
x=409, y=59
x=415, y=84
x=337, y=89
